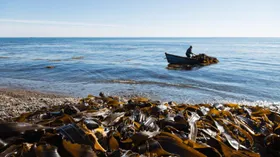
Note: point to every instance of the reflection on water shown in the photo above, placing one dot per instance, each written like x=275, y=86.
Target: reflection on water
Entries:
x=183, y=67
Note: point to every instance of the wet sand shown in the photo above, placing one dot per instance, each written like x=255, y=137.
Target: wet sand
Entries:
x=14, y=102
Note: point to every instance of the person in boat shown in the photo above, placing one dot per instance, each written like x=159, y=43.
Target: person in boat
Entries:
x=189, y=52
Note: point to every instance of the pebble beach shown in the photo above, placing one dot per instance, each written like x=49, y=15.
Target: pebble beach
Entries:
x=14, y=102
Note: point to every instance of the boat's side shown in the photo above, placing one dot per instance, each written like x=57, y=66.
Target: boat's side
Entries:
x=173, y=59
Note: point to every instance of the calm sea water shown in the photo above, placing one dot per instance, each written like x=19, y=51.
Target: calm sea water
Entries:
x=248, y=69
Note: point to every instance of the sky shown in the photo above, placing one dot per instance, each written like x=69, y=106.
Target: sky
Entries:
x=145, y=18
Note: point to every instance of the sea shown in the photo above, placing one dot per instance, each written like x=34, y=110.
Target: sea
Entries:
x=248, y=71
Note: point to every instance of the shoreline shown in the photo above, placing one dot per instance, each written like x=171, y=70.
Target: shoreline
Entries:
x=15, y=101
x=78, y=90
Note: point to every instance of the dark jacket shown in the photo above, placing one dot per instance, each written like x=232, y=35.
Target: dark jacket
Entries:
x=189, y=51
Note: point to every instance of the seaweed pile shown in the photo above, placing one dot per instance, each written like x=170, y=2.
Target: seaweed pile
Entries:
x=205, y=60
x=112, y=126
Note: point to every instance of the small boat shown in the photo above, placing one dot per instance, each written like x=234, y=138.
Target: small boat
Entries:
x=173, y=59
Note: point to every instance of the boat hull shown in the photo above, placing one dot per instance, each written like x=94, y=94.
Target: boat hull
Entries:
x=173, y=59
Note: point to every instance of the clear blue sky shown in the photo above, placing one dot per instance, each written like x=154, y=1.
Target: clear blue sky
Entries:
x=148, y=18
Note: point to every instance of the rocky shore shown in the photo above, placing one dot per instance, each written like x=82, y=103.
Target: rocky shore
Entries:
x=14, y=102
x=43, y=124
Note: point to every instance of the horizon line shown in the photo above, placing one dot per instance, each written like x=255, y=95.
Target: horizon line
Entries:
x=138, y=37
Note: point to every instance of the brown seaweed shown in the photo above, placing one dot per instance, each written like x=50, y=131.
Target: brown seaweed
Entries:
x=111, y=126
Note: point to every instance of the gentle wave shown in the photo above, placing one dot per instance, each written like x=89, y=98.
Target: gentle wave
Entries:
x=146, y=83
x=260, y=103
x=59, y=60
